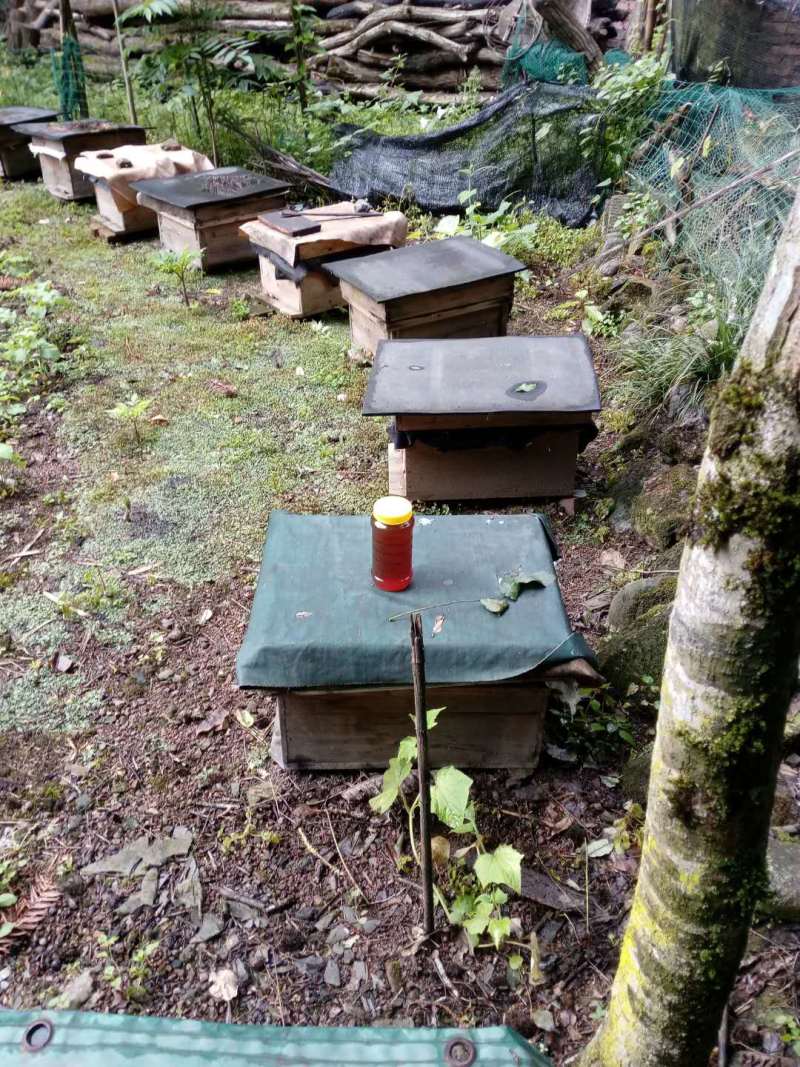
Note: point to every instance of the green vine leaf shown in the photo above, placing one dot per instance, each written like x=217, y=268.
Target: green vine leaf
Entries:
x=499, y=929
x=450, y=801
x=501, y=867
x=493, y=604
x=511, y=585
x=395, y=774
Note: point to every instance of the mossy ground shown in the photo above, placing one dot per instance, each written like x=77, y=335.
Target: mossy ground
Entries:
x=246, y=416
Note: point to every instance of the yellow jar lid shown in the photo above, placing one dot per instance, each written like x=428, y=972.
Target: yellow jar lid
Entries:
x=392, y=510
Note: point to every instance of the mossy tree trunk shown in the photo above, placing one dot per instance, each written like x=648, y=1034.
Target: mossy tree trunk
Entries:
x=730, y=671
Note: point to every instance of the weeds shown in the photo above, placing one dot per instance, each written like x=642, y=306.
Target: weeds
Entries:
x=477, y=897
x=184, y=267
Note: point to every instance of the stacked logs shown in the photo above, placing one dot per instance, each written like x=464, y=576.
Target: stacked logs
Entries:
x=431, y=45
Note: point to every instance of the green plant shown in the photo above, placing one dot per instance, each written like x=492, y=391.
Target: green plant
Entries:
x=479, y=225
x=184, y=266
x=236, y=839
x=478, y=897
x=789, y=1027
x=592, y=721
x=641, y=210
x=622, y=105
x=301, y=46
x=131, y=412
x=239, y=309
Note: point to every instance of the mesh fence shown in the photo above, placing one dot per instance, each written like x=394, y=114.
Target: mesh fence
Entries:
x=522, y=145
x=717, y=137
x=69, y=78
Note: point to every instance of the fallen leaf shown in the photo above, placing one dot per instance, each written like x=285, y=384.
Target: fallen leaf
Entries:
x=440, y=851
x=525, y=387
x=244, y=718
x=63, y=663
x=213, y=722
x=438, y=623
x=614, y=559
x=601, y=847
x=223, y=388
x=159, y=420
x=205, y=615
x=496, y=606
x=544, y=1019
x=224, y=985
x=511, y=585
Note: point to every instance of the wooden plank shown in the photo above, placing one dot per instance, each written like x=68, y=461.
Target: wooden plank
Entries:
x=63, y=181
x=482, y=320
x=176, y=233
x=486, y=726
x=316, y=293
x=433, y=301
x=545, y=468
x=135, y=219
x=498, y=419
x=223, y=243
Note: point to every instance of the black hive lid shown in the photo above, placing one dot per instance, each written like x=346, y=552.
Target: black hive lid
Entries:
x=423, y=268
x=64, y=131
x=483, y=375
x=10, y=116
x=223, y=185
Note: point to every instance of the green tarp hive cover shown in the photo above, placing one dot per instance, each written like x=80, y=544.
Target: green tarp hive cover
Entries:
x=86, y=1039
x=319, y=622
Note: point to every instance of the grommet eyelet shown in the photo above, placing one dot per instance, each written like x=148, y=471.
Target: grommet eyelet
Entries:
x=460, y=1052
x=37, y=1036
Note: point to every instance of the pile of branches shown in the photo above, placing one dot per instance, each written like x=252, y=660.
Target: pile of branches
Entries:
x=427, y=45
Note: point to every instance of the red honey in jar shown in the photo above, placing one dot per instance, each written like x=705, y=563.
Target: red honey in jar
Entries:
x=392, y=530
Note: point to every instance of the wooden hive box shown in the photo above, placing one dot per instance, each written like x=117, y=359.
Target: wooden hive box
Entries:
x=113, y=172
x=16, y=159
x=293, y=250
x=57, y=144
x=485, y=419
x=458, y=287
x=204, y=212
x=321, y=640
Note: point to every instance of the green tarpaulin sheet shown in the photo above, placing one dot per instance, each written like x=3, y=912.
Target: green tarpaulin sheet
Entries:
x=85, y=1039
x=319, y=622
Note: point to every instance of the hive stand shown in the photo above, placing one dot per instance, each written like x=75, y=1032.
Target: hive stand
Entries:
x=204, y=212
x=61, y=142
x=485, y=419
x=453, y=288
x=16, y=159
x=322, y=640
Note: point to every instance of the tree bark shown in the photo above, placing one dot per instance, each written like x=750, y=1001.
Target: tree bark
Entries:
x=730, y=671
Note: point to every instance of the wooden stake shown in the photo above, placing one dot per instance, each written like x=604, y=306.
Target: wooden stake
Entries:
x=421, y=722
x=126, y=78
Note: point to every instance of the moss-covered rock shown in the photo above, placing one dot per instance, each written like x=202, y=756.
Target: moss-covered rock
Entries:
x=660, y=513
x=783, y=863
x=637, y=650
x=638, y=597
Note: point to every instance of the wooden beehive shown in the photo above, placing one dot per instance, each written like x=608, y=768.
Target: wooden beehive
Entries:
x=485, y=419
x=294, y=247
x=322, y=641
x=204, y=212
x=57, y=144
x=16, y=159
x=458, y=287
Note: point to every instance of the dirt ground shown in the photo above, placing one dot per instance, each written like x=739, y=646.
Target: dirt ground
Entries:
x=123, y=719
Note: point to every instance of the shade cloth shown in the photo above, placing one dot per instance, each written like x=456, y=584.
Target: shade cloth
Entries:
x=128, y=163
x=318, y=621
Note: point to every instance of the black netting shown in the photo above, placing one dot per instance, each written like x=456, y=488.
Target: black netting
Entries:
x=524, y=144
